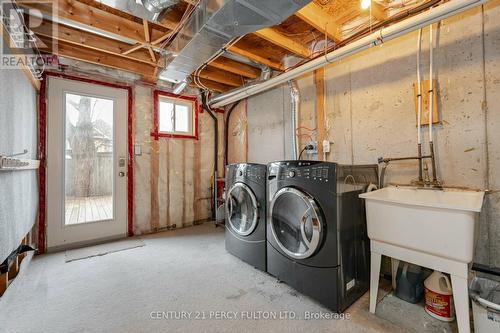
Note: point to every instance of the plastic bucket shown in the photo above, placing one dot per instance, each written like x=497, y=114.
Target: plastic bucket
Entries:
x=485, y=295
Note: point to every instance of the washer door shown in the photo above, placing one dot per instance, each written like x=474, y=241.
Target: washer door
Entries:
x=241, y=209
x=296, y=223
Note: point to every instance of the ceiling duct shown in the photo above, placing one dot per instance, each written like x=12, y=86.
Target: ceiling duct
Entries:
x=146, y=9
x=215, y=23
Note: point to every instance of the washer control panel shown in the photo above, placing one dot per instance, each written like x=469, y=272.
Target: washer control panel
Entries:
x=246, y=171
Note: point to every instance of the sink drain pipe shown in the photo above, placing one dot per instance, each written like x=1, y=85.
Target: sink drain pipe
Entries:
x=216, y=149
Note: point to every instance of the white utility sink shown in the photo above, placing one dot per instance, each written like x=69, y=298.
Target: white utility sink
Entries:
x=427, y=227
x=437, y=222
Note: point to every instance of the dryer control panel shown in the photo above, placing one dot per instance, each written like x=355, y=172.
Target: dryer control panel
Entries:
x=321, y=172
x=251, y=172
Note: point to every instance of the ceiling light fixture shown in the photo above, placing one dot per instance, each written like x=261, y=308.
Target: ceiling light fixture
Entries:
x=365, y=4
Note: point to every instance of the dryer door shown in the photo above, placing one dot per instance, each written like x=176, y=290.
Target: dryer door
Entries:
x=296, y=222
x=241, y=209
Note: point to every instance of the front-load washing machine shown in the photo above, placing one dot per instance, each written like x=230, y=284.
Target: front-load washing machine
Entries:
x=245, y=207
x=316, y=229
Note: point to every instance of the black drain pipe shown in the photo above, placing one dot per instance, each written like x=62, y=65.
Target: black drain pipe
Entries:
x=226, y=130
x=216, y=149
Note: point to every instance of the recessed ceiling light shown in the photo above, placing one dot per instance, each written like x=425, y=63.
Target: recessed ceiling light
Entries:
x=365, y=4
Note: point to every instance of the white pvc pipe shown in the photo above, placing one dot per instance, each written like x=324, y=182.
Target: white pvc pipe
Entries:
x=404, y=27
x=419, y=89
x=431, y=83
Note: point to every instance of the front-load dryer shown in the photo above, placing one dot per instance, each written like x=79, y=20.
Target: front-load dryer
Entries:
x=316, y=229
x=245, y=211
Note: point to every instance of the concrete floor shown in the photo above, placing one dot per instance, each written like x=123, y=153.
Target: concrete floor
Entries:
x=177, y=272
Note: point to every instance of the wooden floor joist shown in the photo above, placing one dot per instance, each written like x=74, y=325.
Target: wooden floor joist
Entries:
x=94, y=17
x=319, y=19
x=214, y=74
x=236, y=67
x=212, y=85
x=89, y=40
x=277, y=38
x=255, y=57
x=100, y=58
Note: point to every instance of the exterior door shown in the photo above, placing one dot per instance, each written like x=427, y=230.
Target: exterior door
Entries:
x=296, y=223
x=86, y=163
x=241, y=209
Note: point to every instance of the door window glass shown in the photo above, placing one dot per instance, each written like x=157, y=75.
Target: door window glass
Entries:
x=88, y=162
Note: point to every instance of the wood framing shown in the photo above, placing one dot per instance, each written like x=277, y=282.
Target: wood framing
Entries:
x=255, y=57
x=214, y=74
x=33, y=80
x=212, y=85
x=92, y=41
x=277, y=38
x=97, y=18
x=92, y=31
x=96, y=57
x=235, y=67
x=319, y=81
x=319, y=19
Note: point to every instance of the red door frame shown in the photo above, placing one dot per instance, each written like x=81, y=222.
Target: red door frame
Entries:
x=42, y=137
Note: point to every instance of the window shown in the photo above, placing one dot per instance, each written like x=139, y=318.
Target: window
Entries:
x=175, y=116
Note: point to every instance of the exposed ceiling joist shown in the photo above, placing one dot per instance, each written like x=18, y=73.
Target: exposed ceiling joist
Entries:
x=235, y=67
x=147, y=36
x=96, y=18
x=378, y=11
x=96, y=57
x=212, y=85
x=255, y=57
x=168, y=21
x=214, y=74
x=277, y=38
x=319, y=19
x=88, y=40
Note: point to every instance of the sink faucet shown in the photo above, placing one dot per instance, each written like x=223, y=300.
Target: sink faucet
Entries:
x=427, y=182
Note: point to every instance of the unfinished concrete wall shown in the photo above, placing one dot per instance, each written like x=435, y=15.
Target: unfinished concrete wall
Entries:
x=18, y=131
x=269, y=126
x=370, y=110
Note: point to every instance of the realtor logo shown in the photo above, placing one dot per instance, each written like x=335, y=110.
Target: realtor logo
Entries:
x=21, y=48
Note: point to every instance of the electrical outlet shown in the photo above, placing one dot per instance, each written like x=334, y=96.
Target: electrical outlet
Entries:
x=311, y=148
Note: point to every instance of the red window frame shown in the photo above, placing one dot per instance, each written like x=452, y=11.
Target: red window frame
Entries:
x=196, y=109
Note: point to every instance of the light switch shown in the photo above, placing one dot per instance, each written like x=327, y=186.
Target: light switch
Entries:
x=137, y=150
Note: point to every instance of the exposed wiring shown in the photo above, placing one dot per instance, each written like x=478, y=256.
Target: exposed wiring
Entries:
x=307, y=128
x=303, y=149
x=305, y=135
x=409, y=8
x=306, y=147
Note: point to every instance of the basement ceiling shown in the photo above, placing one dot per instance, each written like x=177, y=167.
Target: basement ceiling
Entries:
x=92, y=31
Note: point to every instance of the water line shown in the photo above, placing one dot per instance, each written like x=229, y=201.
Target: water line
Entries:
x=295, y=97
x=419, y=106
x=431, y=103
x=431, y=83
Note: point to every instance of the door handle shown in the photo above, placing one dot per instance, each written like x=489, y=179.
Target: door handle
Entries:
x=121, y=174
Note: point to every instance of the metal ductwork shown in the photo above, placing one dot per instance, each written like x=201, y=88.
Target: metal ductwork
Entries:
x=215, y=23
x=157, y=6
x=146, y=9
